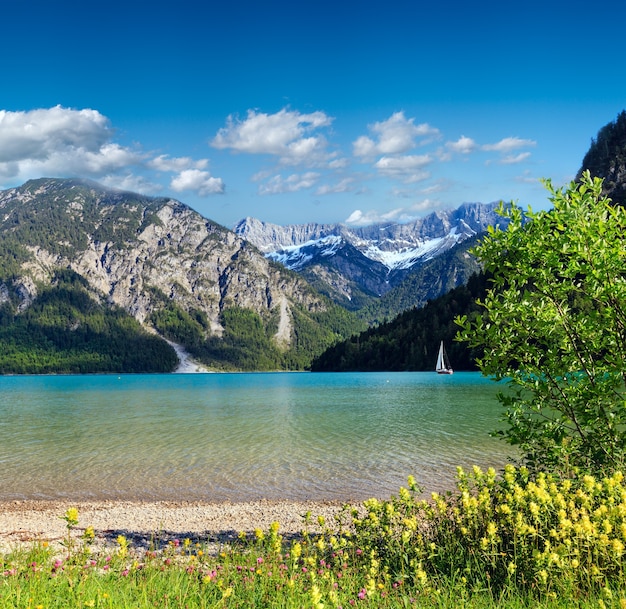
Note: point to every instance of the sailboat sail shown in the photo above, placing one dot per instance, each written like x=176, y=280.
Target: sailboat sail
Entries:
x=442, y=366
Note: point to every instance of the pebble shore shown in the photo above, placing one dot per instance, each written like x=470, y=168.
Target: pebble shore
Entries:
x=155, y=524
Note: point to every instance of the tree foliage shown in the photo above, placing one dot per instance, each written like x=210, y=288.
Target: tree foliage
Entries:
x=554, y=328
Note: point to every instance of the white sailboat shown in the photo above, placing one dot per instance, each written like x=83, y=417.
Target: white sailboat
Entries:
x=443, y=366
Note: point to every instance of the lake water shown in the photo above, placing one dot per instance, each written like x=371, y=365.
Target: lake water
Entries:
x=216, y=437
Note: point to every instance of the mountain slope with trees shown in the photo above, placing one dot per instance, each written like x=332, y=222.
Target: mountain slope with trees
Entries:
x=68, y=330
x=411, y=340
x=192, y=280
x=433, y=279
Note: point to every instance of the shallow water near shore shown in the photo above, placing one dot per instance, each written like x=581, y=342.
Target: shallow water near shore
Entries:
x=241, y=437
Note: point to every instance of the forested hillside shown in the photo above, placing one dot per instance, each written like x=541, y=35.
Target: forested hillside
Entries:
x=65, y=330
x=247, y=342
x=158, y=261
x=411, y=340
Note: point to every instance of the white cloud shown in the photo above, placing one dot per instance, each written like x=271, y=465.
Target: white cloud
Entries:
x=464, y=145
x=65, y=142
x=283, y=134
x=131, y=183
x=344, y=185
x=398, y=214
x=408, y=168
x=340, y=163
x=364, y=146
x=514, y=159
x=176, y=164
x=396, y=135
x=198, y=181
x=509, y=144
x=527, y=178
x=439, y=186
x=292, y=183
x=38, y=134
x=60, y=141
x=360, y=218
x=426, y=205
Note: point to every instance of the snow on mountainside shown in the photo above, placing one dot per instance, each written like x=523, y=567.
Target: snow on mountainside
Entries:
x=371, y=259
x=397, y=246
x=296, y=257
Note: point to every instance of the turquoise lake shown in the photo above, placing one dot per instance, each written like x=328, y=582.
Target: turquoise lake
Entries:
x=238, y=437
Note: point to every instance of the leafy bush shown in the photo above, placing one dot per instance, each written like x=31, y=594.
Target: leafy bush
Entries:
x=554, y=328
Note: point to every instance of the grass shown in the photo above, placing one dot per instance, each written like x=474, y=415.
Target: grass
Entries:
x=512, y=541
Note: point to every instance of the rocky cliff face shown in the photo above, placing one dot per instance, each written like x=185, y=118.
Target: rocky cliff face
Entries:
x=140, y=252
x=606, y=158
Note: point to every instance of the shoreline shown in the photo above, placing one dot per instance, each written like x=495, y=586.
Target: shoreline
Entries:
x=149, y=523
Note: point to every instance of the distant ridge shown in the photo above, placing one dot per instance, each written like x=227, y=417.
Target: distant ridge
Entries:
x=357, y=266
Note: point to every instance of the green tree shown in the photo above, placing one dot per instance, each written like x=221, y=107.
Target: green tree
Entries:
x=554, y=328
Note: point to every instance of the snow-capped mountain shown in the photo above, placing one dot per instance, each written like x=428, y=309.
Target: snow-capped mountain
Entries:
x=371, y=259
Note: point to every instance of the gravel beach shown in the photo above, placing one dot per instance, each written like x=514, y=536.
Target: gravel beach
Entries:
x=154, y=524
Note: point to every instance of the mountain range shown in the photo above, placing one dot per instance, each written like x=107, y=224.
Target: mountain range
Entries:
x=261, y=297
x=357, y=266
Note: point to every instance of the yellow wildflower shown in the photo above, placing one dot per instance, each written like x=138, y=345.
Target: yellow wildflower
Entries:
x=316, y=596
x=71, y=516
x=296, y=550
x=89, y=534
x=617, y=547
x=227, y=592
x=404, y=493
x=511, y=568
x=542, y=576
x=420, y=575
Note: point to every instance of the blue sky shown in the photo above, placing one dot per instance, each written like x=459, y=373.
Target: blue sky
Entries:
x=293, y=112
